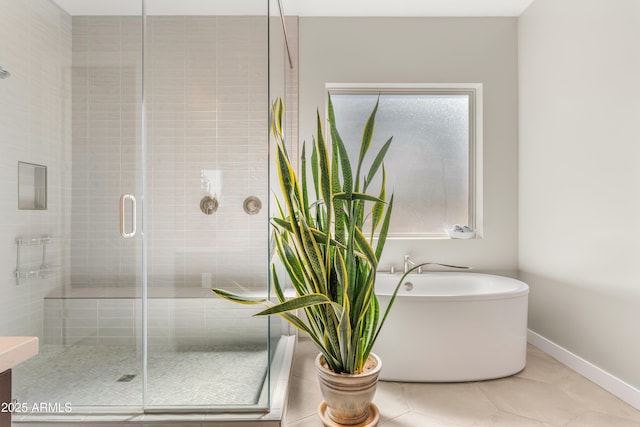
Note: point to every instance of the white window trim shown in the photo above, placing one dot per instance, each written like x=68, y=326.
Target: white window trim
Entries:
x=476, y=206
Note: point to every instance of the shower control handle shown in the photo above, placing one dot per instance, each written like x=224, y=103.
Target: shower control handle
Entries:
x=123, y=225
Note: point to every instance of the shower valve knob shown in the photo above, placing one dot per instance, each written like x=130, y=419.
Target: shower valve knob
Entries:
x=208, y=205
x=252, y=205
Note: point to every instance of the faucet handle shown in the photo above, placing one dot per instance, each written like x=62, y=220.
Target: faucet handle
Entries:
x=408, y=263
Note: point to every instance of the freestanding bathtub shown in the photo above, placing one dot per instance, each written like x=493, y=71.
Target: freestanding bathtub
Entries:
x=452, y=327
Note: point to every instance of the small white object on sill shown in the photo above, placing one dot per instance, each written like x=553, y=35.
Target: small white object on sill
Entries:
x=462, y=232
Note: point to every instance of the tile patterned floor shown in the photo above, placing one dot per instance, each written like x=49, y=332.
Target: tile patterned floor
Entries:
x=544, y=394
x=88, y=376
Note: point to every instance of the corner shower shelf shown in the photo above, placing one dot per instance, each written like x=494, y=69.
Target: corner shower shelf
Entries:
x=44, y=269
x=31, y=241
x=40, y=273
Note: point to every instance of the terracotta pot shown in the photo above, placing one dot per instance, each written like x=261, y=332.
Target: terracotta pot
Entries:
x=348, y=397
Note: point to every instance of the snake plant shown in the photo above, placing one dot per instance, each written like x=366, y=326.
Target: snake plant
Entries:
x=329, y=256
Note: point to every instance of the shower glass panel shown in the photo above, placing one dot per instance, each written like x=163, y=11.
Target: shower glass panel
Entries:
x=206, y=95
x=89, y=61
x=152, y=120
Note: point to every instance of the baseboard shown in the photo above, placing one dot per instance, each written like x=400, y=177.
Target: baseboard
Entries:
x=612, y=384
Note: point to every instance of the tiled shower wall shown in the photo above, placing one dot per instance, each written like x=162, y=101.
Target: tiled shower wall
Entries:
x=35, y=119
x=173, y=322
x=107, y=96
x=206, y=94
x=208, y=84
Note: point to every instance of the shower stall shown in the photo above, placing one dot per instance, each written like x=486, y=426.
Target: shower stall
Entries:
x=150, y=119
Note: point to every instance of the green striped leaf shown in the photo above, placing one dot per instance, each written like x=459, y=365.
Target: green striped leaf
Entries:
x=357, y=196
x=325, y=173
x=378, y=208
x=279, y=209
x=298, y=323
x=365, y=248
x=319, y=236
x=295, y=304
x=342, y=277
x=286, y=176
x=373, y=316
x=331, y=331
x=367, y=135
x=338, y=205
x=240, y=299
x=338, y=144
x=313, y=257
x=314, y=169
x=291, y=263
x=377, y=162
x=384, y=230
x=276, y=284
x=345, y=333
x=277, y=114
x=303, y=179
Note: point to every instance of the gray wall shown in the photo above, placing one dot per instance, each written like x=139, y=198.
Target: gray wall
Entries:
x=579, y=177
x=431, y=50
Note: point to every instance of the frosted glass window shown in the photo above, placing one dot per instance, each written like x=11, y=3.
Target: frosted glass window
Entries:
x=429, y=163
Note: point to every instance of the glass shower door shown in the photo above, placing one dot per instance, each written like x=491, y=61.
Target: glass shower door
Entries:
x=106, y=271
x=207, y=180
x=90, y=357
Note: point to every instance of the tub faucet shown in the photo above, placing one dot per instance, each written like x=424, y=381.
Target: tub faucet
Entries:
x=408, y=263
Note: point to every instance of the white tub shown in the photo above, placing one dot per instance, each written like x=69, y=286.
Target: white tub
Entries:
x=452, y=327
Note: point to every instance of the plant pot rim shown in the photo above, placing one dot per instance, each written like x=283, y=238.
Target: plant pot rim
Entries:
x=373, y=371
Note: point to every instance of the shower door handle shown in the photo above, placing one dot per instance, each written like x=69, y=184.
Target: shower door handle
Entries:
x=123, y=225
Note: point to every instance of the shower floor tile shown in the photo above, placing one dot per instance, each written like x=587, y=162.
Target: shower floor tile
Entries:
x=112, y=376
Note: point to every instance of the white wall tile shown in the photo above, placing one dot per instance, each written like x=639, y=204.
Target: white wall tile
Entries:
x=32, y=39
x=172, y=322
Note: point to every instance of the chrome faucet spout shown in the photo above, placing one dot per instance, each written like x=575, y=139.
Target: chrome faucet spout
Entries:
x=408, y=263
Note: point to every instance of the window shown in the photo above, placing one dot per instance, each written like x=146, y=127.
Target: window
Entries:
x=432, y=163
